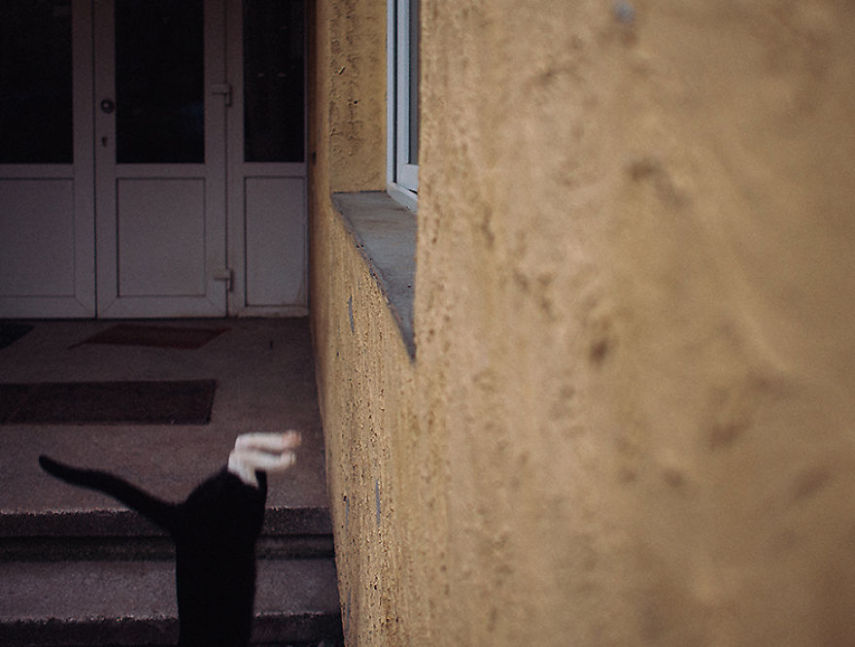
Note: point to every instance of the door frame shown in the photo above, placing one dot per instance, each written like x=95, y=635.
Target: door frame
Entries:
x=108, y=174
x=94, y=211
x=239, y=171
x=81, y=302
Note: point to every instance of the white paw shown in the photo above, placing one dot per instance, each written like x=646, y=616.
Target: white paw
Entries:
x=266, y=452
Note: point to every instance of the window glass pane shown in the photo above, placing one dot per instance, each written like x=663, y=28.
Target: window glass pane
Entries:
x=414, y=82
x=160, y=81
x=273, y=80
x=35, y=82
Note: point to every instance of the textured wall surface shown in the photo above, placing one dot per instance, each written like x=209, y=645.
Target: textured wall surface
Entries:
x=352, y=61
x=376, y=474
x=631, y=417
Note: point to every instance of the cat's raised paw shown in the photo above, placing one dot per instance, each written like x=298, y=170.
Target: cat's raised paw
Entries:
x=265, y=452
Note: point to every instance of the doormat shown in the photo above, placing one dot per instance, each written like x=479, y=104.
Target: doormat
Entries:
x=184, y=402
x=12, y=332
x=157, y=336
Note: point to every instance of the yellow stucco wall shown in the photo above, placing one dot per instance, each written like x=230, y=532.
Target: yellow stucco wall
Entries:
x=631, y=416
x=379, y=473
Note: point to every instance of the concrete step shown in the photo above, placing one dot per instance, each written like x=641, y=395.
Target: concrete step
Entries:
x=112, y=522
x=54, y=549
x=122, y=534
x=128, y=603
x=287, y=532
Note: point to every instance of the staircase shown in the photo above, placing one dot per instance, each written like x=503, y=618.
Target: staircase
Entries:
x=78, y=569
x=107, y=578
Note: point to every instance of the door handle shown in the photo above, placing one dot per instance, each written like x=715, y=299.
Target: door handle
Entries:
x=226, y=275
x=107, y=106
x=224, y=89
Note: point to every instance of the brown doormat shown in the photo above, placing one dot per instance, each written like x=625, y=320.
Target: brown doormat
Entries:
x=150, y=403
x=12, y=332
x=158, y=336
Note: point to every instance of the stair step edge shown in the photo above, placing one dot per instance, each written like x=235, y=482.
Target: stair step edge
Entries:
x=133, y=603
x=118, y=523
x=105, y=548
x=131, y=632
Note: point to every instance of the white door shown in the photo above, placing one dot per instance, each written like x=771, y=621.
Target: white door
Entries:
x=160, y=158
x=267, y=157
x=141, y=175
x=47, y=241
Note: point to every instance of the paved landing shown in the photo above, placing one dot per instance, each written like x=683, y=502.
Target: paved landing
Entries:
x=265, y=382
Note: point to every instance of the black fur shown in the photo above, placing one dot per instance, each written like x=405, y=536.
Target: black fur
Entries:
x=215, y=531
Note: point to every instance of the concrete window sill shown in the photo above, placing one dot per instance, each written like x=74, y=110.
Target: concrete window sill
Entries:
x=385, y=234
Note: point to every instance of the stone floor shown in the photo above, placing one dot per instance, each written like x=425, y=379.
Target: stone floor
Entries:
x=265, y=382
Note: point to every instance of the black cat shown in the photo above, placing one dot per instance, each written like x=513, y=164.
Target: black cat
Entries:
x=215, y=530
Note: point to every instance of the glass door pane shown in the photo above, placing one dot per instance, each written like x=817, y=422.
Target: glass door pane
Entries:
x=273, y=52
x=160, y=114
x=35, y=82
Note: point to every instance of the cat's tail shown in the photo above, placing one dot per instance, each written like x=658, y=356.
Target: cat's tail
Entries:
x=160, y=512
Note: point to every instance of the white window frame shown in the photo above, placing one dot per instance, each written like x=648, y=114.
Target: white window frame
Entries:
x=402, y=178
